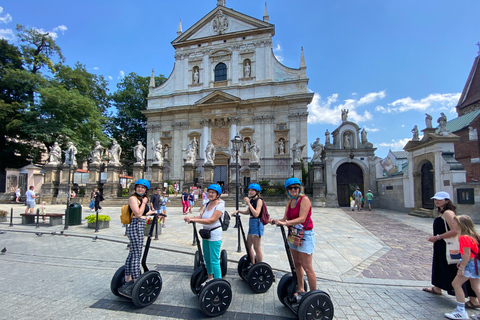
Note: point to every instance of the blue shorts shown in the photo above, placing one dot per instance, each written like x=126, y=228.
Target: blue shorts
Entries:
x=255, y=227
x=163, y=208
x=470, y=270
x=369, y=201
x=308, y=243
x=191, y=203
x=30, y=204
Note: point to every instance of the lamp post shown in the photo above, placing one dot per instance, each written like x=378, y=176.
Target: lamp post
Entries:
x=70, y=162
x=236, y=146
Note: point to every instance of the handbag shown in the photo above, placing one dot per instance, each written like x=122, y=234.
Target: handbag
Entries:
x=206, y=233
x=295, y=236
x=453, y=254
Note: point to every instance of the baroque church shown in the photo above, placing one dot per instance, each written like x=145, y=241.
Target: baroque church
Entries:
x=226, y=82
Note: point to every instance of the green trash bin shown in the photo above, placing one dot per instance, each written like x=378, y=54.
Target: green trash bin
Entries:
x=75, y=214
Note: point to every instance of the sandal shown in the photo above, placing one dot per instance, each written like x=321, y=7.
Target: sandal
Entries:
x=470, y=305
x=432, y=291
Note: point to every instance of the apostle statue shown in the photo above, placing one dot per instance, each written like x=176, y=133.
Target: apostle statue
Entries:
x=442, y=125
x=317, y=148
x=255, y=151
x=191, y=152
x=327, y=137
x=428, y=120
x=157, y=152
x=281, y=146
x=166, y=152
x=115, y=152
x=139, y=153
x=247, y=70
x=97, y=153
x=55, y=154
x=246, y=145
x=364, y=136
x=70, y=153
x=344, y=115
x=297, y=151
x=196, y=76
x=346, y=141
x=415, y=133
x=210, y=153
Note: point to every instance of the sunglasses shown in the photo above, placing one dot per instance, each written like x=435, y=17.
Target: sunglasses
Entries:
x=292, y=188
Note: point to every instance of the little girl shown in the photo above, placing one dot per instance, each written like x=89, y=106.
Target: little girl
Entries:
x=466, y=267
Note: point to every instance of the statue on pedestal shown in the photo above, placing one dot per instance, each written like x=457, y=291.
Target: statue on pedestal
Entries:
x=55, y=154
x=428, y=120
x=247, y=70
x=196, y=76
x=327, y=137
x=364, y=136
x=166, y=152
x=317, y=148
x=246, y=145
x=255, y=151
x=191, y=152
x=157, y=152
x=297, y=151
x=70, y=153
x=281, y=146
x=97, y=153
x=115, y=152
x=346, y=140
x=139, y=153
x=344, y=115
x=415, y=133
x=442, y=124
x=210, y=153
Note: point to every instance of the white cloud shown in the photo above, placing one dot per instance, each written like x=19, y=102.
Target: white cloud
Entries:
x=371, y=129
x=121, y=74
x=395, y=145
x=278, y=48
x=110, y=78
x=7, y=34
x=6, y=18
x=52, y=34
x=62, y=28
x=434, y=101
x=327, y=112
x=96, y=68
x=276, y=51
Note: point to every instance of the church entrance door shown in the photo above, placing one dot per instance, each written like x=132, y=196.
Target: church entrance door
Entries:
x=428, y=189
x=220, y=176
x=349, y=177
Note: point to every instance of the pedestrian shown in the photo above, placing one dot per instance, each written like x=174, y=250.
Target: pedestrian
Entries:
x=467, y=268
x=444, y=227
x=98, y=199
x=176, y=188
x=72, y=194
x=369, y=196
x=138, y=203
x=204, y=199
x=191, y=201
x=30, y=195
x=210, y=218
x=358, y=198
x=301, y=236
x=163, y=208
x=18, y=194
x=155, y=200
x=185, y=201
x=91, y=206
x=255, y=226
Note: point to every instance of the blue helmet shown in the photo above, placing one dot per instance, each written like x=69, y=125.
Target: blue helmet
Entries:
x=143, y=182
x=216, y=188
x=255, y=186
x=291, y=181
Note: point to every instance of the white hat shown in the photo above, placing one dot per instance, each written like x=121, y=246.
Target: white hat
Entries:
x=441, y=195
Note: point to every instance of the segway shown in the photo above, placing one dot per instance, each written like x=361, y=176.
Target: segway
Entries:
x=216, y=295
x=259, y=276
x=315, y=304
x=148, y=286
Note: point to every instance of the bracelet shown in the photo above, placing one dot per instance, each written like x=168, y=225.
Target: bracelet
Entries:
x=438, y=237
x=461, y=269
x=286, y=223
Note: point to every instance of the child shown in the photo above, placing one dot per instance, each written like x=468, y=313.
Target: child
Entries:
x=466, y=267
x=44, y=210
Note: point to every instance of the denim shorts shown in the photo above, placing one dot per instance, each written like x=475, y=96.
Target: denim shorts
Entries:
x=308, y=243
x=255, y=227
x=30, y=204
x=470, y=270
x=191, y=203
x=163, y=208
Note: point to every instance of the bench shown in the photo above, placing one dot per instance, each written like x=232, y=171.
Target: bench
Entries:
x=54, y=218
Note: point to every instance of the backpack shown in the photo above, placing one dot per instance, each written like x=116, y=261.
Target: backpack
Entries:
x=225, y=222
x=126, y=214
x=264, y=216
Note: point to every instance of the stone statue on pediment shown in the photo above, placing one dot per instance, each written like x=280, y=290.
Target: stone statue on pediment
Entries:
x=157, y=152
x=55, y=154
x=255, y=151
x=317, y=148
x=364, y=136
x=115, y=152
x=297, y=150
x=210, y=153
x=139, y=153
x=97, y=153
x=70, y=154
x=327, y=137
x=346, y=140
x=442, y=125
x=428, y=120
x=191, y=151
x=344, y=115
x=415, y=133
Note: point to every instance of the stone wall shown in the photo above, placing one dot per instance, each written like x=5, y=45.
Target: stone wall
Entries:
x=390, y=194
x=473, y=210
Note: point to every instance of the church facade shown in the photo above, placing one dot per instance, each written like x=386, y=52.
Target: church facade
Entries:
x=225, y=82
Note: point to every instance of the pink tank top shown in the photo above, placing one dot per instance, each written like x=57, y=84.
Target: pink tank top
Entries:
x=295, y=213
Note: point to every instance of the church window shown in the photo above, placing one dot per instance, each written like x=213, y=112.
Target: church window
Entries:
x=221, y=72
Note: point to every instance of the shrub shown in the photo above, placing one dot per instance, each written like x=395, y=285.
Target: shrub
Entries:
x=3, y=213
x=93, y=217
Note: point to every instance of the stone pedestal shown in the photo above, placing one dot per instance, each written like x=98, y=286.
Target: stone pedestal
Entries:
x=137, y=174
x=254, y=171
x=93, y=177
x=63, y=187
x=52, y=180
x=297, y=170
x=189, y=170
x=208, y=170
x=157, y=176
x=112, y=188
x=318, y=198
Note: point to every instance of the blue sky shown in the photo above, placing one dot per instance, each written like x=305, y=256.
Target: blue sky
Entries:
x=388, y=61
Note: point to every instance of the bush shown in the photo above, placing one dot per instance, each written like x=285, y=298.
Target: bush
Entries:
x=125, y=192
x=264, y=183
x=93, y=217
x=3, y=213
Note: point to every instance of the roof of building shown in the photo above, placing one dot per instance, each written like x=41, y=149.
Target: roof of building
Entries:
x=400, y=154
x=462, y=122
x=471, y=91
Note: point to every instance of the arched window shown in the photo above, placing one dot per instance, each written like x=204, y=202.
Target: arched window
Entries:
x=221, y=72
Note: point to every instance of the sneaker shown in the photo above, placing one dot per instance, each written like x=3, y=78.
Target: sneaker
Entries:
x=126, y=289
x=299, y=296
x=457, y=315
x=205, y=283
x=164, y=226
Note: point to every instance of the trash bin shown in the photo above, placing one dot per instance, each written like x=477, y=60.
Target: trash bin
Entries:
x=75, y=214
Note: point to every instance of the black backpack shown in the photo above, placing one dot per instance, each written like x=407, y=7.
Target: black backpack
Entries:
x=225, y=222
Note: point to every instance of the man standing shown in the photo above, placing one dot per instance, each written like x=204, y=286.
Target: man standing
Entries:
x=155, y=200
x=30, y=195
x=358, y=198
x=98, y=198
x=369, y=199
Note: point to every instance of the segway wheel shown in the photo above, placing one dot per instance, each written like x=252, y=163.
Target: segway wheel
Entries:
x=147, y=289
x=260, y=277
x=215, y=298
x=315, y=306
x=196, y=261
x=223, y=262
x=117, y=281
x=282, y=288
x=242, y=265
x=197, y=278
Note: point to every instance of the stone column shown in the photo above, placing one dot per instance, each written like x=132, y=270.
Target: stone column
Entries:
x=189, y=170
x=93, y=177
x=318, y=185
x=52, y=180
x=208, y=171
x=157, y=176
x=254, y=172
x=63, y=187
x=112, y=188
x=297, y=170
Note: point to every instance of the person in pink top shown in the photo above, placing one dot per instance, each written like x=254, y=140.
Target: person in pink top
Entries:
x=468, y=267
x=301, y=238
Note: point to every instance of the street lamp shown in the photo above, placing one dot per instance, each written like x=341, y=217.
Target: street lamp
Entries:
x=236, y=147
x=69, y=160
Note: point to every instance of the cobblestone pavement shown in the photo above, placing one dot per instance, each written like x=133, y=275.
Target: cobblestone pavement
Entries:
x=370, y=263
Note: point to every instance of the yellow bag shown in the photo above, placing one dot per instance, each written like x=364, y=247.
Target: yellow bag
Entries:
x=126, y=214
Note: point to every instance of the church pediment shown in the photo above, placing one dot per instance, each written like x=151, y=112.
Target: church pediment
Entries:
x=218, y=97
x=222, y=21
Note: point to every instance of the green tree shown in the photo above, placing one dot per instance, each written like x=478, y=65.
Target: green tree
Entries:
x=128, y=125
